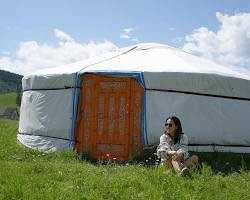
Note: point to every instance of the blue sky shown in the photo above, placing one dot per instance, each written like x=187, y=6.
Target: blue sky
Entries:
x=110, y=24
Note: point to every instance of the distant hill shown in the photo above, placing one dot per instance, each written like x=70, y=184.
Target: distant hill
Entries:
x=10, y=82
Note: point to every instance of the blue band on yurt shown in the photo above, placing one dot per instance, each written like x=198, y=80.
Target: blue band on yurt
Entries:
x=74, y=113
x=144, y=135
x=135, y=74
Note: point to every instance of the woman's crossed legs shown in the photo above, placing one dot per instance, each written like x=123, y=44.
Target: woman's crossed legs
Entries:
x=180, y=165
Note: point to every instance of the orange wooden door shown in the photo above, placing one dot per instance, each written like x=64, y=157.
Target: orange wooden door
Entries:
x=110, y=120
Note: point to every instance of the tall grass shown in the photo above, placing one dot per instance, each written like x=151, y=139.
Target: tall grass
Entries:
x=30, y=174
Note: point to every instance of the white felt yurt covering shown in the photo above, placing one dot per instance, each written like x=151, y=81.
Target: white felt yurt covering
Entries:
x=212, y=101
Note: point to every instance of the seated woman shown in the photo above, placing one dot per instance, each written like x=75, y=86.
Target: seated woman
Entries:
x=173, y=147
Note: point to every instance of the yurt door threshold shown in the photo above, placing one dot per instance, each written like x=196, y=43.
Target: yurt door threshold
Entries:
x=110, y=117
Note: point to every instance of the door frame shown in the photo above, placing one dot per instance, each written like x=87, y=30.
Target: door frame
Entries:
x=140, y=80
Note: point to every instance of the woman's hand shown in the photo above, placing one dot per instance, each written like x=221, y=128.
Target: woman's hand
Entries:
x=175, y=155
x=171, y=153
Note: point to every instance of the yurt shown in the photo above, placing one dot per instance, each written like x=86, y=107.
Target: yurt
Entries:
x=116, y=104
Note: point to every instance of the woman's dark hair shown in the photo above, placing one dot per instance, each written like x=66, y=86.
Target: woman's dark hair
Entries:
x=177, y=123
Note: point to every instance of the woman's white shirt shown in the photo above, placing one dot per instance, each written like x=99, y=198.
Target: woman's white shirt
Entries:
x=167, y=144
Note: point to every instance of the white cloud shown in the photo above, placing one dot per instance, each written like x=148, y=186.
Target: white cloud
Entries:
x=32, y=56
x=124, y=36
x=127, y=34
x=230, y=45
x=63, y=36
x=128, y=30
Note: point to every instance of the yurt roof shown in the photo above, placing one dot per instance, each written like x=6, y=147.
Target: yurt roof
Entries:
x=147, y=57
x=163, y=66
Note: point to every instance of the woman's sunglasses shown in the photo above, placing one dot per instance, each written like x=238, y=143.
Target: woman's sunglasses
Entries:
x=170, y=125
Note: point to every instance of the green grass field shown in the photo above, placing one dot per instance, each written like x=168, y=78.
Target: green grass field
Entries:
x=8, y=100
x=30, y=174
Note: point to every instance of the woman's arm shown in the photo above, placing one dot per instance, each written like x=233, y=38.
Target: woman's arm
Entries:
x=163, y=148
x=183, y=149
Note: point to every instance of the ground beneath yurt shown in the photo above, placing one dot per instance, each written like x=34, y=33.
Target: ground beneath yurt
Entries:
x=30, y=174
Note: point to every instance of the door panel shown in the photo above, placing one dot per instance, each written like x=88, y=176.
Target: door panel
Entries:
x=109, y=120
x=112, y=95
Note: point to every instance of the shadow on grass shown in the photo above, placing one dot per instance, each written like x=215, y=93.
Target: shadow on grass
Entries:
x=219, y=162
x=226, y=163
